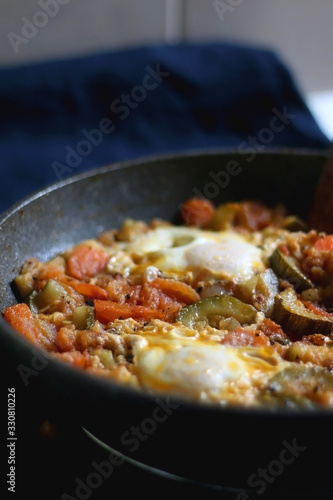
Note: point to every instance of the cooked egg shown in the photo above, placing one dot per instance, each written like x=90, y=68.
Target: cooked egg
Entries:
x=224, y=254
x=200, y=370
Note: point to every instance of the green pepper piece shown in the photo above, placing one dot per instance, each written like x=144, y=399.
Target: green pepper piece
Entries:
x=225, y=306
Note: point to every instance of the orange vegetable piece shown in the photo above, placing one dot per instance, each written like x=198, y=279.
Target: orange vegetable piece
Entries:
x=197, y=212
x=75, y=358
x=86, y=261
x=107, y=310
x=50, y=270
x=254, y=215
x=21, y=319
x=324, y=244
x=177, y=290
x=120, y=290
x=65, y=339
x=90, y=291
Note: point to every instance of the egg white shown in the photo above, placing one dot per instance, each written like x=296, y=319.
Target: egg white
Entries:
x=177, y=249
x=200, y=370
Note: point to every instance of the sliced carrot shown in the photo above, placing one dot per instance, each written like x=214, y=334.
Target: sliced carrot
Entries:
x=21, y=319
x=86, y=261
x=178, y=290
x=324, y=244
x=107, y=310
x=197, y=212
x=91, y=291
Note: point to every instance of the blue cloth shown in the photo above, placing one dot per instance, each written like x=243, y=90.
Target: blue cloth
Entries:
x=64, y=117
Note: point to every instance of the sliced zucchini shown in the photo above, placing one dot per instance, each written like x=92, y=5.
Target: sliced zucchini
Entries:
x=294, y=316
x=260, y=290
x=299, y=385
x=285, y=267
x=218, y=306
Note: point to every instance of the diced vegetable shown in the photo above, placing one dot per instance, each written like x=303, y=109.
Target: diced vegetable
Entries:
x=324, y=244
x=90, y=291
x=86, y=260
x=65, y=338
x=224, y=216
x=106, y=357
x=251, y=215
x=25, y=284
x=197, y=212
x=260, y=290
x=53, y=290
x=22, y=320
x=84, y=317
x=254, y=215
x=176, y=289
x=107, y=310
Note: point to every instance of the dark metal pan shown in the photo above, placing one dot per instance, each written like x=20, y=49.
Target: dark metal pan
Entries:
x=250, y=451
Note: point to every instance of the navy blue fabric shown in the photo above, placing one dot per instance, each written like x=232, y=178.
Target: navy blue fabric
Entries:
x=64, y=117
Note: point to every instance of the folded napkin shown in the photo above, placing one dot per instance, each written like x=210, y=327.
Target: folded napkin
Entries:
x=63, y=117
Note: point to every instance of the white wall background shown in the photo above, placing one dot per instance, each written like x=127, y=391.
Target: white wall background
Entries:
x=301, y=31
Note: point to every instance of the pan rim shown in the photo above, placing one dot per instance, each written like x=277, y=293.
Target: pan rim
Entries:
x=132, y=163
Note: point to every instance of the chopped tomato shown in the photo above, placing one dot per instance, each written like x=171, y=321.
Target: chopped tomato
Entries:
x=21, y=319
x=120, y=290
x=284, y=249
x=254, y=215
x=324, y=244
x=65, y=339
x=51, y=270
x=86, y=261
x=270, y=328
x=197, y=212
x=160, y=293
x=75, y=358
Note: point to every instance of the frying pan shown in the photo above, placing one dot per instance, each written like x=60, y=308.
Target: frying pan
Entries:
x=250, y=451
